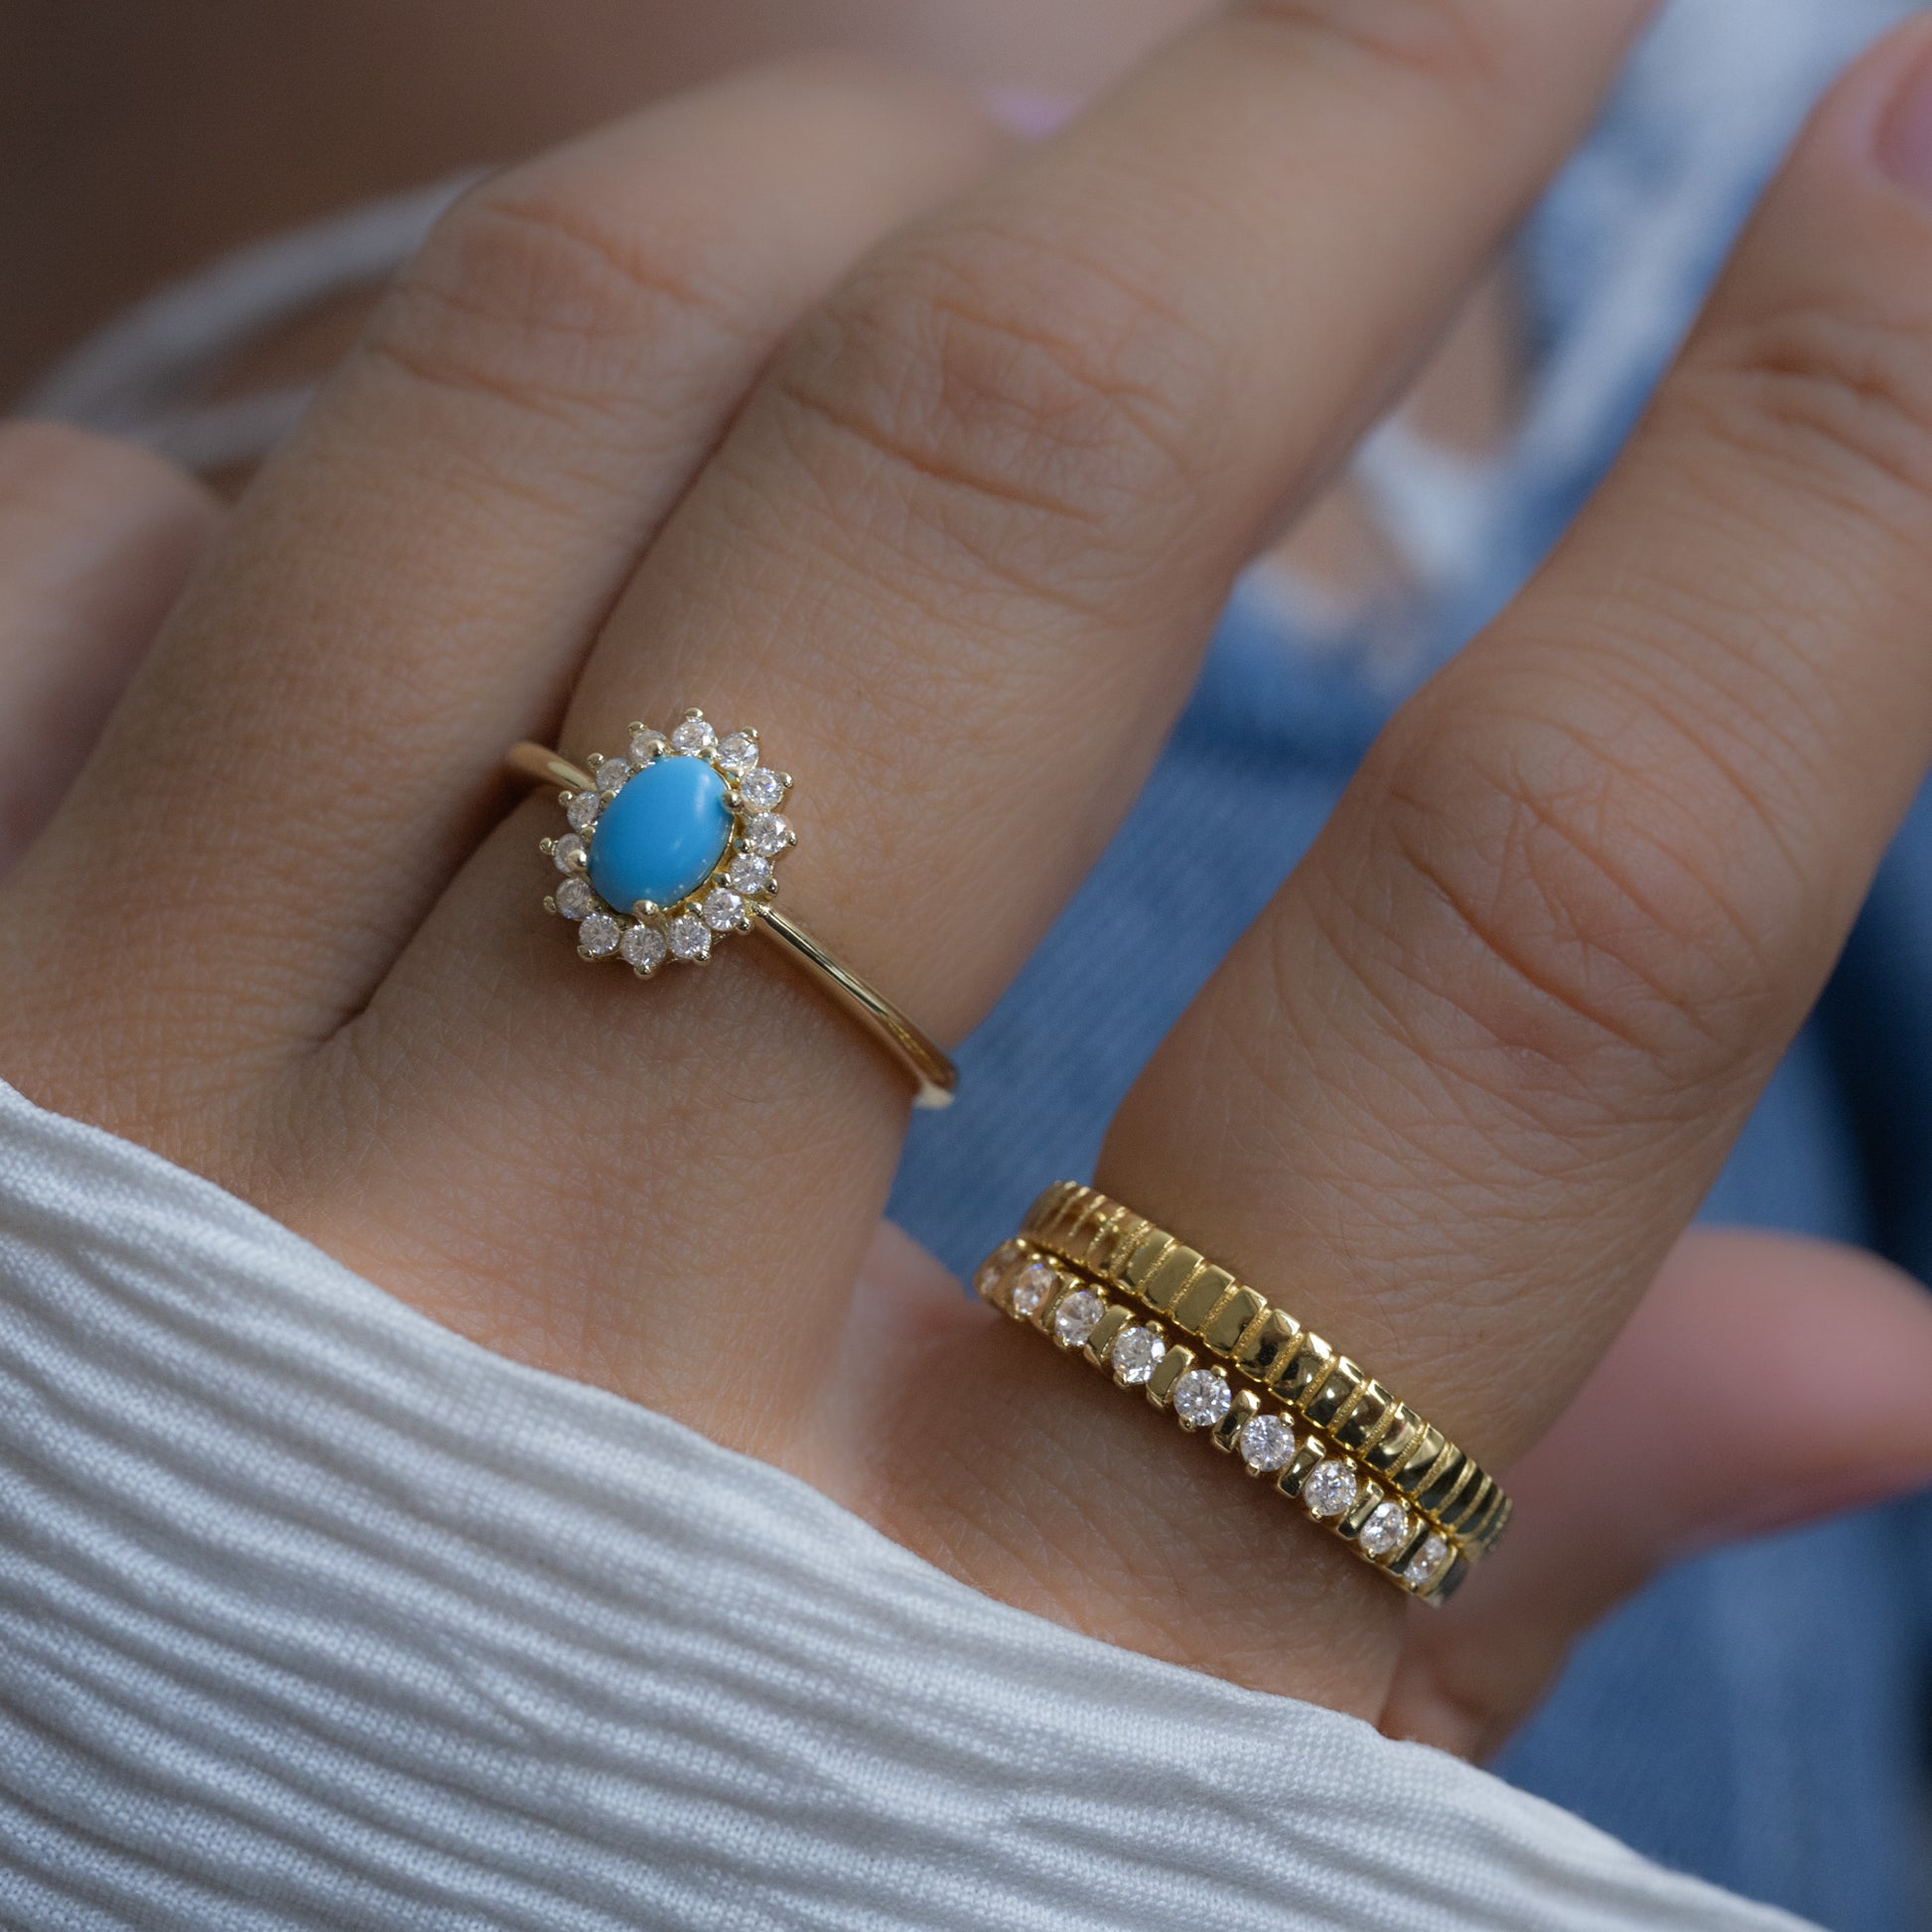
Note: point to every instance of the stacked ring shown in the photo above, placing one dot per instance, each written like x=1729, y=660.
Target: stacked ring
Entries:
x=1096, y=1276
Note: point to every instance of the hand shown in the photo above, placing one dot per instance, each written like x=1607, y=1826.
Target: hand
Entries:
x=949, y=525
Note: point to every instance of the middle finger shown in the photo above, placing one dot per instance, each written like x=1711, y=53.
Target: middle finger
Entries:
x=955, y=560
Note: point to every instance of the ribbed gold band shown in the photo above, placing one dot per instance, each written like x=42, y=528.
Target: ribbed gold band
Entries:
x=1093, y=1274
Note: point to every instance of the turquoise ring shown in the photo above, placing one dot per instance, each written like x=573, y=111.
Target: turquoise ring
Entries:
x=674, y=846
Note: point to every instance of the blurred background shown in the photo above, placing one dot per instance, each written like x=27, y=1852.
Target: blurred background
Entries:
x=139, y=140
x=198, y=203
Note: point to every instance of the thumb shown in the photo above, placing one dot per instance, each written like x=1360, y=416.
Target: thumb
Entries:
x=1708, y=1421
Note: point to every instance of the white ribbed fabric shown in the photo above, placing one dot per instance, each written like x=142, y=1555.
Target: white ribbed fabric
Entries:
x=314, y=1614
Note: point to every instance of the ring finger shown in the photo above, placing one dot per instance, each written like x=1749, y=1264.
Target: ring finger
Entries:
x=1464, y=1083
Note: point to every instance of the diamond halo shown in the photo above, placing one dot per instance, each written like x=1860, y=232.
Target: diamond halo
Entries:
x=731, y=897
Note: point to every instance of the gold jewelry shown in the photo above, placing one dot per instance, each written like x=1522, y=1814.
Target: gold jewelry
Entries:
x=674, y=846
x=1093, y=1274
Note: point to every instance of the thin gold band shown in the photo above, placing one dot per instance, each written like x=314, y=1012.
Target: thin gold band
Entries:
x=1086, y=1270
x=922, y=1058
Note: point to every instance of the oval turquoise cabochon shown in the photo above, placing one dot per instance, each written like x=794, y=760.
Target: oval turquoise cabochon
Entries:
x=663, y=836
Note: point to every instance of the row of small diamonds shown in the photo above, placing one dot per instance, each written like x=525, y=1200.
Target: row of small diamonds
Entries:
x=1330, y=1485
x=1076, y=1226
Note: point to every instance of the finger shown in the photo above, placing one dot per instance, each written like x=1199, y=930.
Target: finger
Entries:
x=97, y=539
x=1466, y=1081
x=955, y=559
x=1024, y=450
x=411, y=584
x=1706, y=1423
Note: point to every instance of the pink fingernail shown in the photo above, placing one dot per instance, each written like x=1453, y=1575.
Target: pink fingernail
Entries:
x=1028, y=113
x=1905, y=135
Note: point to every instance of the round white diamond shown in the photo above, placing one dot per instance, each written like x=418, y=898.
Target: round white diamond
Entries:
x=1385, y=1530
x=995, y=1265
x=748, y=874
x=600, y=936
x=737, y=752
x=575, y=899
x=765, y=835
x=761, y=789
x=723, y=910
x=690, y=937
x=610, y=774
x=1202, y=1397
x=1078, y=1315
x=645, y=946
x=1136, y=1354
x=645, y=746
x=1267, y=1443
x=694, y=735
x=1330, y=1490
x=1430, y=1561
x=582, y=810
x=569, y=853
x=1030, y=1293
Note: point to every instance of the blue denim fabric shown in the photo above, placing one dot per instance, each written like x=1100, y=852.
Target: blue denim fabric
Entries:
x=1758, y=1717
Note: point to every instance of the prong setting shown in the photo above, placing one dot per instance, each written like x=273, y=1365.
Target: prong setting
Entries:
x=729, y=899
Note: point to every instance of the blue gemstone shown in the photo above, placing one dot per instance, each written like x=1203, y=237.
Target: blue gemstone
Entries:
x=663, y=836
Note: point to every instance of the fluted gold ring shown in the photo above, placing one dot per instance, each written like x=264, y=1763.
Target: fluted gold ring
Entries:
x=1097, y=1277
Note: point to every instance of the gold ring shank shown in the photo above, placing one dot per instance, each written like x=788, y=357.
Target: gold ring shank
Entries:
x=929, y=1065
x=529, y=760
x=933, y=1073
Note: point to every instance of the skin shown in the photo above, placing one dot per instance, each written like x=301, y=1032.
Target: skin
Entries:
x=811, y=399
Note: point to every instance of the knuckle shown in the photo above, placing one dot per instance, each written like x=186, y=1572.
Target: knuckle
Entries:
x=1572, y=902
x=1832, y=399
x=536, y=288
x=1455, y=45
x=1000, y=374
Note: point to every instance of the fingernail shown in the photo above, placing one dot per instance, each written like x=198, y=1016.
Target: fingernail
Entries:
x=1027, y=112
x=1905, y=135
